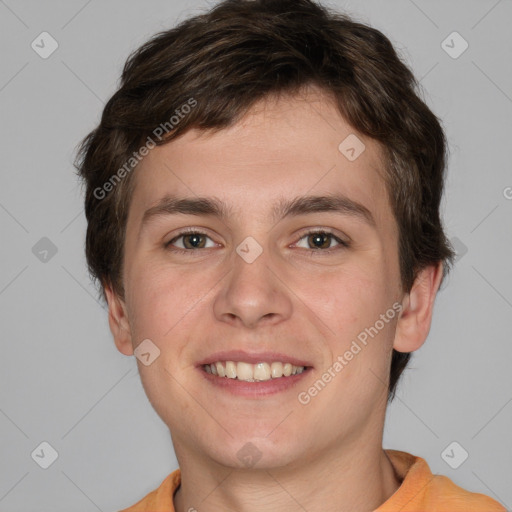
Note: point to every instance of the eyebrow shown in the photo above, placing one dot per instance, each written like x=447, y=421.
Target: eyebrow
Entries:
x=302, y=205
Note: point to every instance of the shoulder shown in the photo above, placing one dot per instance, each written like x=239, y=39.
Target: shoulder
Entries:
x=159, y=499
x=422, y=491
x=442, y=489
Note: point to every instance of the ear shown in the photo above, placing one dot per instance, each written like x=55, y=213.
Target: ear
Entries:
x=414, y=323
x=118, y=321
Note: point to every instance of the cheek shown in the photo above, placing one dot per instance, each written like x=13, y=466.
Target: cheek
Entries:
x=348, y=298
x=161, y=297
x=351, y=305
x=165, y=305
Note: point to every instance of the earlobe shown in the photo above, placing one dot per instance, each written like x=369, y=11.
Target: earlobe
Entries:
x=118, y=322
x=414, y=323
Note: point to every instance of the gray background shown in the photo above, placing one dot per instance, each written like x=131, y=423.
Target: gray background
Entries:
x=62, y=379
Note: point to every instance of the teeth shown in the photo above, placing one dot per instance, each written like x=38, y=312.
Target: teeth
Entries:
x=262, y=371
x=276, y=370
x=244, y=371
x=230, y=369
x=252, y=372
x=220, y=370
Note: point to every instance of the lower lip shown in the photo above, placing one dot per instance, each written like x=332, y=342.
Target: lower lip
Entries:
x=254, y=389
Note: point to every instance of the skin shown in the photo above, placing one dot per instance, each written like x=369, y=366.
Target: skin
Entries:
x=323, y=456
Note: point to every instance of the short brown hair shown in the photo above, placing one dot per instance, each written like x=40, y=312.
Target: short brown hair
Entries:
x=242, y=51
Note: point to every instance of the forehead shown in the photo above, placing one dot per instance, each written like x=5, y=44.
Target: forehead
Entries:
x=283, y=147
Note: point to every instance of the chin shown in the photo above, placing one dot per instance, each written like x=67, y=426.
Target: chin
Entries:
x=252, y=452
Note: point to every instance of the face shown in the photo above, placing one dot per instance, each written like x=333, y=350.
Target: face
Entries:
x=264, y=283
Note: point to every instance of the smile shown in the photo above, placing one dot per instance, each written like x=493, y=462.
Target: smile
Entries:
x=248, y=372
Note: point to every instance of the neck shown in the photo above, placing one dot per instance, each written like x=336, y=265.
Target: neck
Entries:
x=358, y=478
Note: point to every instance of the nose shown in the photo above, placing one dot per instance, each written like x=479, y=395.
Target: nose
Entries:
x=254, y=293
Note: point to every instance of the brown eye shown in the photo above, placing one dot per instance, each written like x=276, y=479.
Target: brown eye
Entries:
x=190, y=240
x=320, y=241
x=194, y=241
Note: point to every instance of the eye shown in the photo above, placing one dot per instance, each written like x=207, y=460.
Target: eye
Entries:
x=190, y=240
x=321, y=241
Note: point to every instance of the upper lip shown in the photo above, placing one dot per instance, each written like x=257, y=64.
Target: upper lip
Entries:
x=252, y=357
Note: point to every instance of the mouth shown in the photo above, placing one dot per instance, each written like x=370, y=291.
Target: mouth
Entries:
x=253, y=375
x=248, y=372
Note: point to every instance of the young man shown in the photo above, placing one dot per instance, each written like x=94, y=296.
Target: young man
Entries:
x=263, y=216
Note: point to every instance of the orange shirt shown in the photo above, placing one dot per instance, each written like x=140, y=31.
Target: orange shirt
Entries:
x=420, y=491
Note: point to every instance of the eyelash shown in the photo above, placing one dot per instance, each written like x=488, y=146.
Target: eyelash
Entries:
x=342, y=243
